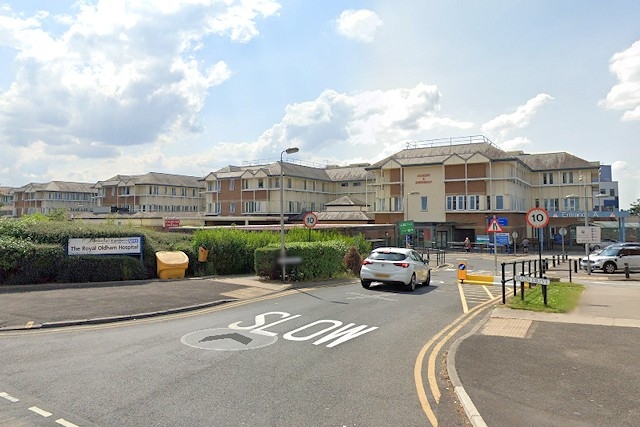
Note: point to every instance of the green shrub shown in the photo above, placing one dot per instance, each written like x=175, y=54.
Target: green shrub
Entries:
x=92, y=268
x=353, y=261
x=42, y=265
x=320, y=260
x=12, y=250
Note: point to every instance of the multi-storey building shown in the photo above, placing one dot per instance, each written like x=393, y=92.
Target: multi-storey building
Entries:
x=6, y=201
x=453, y=188
x=151, y=192
x=254, y=190
x=45, y=198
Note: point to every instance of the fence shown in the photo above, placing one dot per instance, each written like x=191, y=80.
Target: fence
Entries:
x=535, y=269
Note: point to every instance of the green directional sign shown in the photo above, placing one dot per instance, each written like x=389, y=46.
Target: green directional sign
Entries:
x=406, y=227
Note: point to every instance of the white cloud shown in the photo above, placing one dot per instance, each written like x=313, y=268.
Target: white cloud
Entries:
x=360, y=25
x=120, y=73
x=504, y=124
x=518, y=143
x=345, y=125
x=625, y=95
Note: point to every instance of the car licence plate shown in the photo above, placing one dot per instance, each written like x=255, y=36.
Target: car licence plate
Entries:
x=381, y=275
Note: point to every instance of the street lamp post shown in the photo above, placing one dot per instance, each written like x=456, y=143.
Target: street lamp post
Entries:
x=586, y=222
x=283, y=252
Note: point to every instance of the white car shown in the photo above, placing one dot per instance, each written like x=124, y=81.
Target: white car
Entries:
x=395, y=265
x=614, y=257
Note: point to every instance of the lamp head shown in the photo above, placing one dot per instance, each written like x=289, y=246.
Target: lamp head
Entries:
x=291, y=150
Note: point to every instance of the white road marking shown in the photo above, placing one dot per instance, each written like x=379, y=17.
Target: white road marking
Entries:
x=9, y=397
x=40, y=411
x=65, y=423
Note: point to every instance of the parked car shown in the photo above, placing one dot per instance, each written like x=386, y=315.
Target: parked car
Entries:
x=601, y=245
x=614, y=257
x=395, y=265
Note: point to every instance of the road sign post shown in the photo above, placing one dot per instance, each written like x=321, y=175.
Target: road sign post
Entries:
x=310, y=220
x=538, y=218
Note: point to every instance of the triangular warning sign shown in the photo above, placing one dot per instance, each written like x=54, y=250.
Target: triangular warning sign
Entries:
x=612, y=215
x=494, y=226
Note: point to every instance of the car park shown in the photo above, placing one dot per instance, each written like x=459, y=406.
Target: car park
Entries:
x=395, y=265
x=613, y=258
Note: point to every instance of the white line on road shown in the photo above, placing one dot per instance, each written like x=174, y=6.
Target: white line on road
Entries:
x=65, y=423
x=9, y=397
x=40, y=411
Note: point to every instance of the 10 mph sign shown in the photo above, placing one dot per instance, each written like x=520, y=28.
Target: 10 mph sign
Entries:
x=310, y=219
x=537, y=217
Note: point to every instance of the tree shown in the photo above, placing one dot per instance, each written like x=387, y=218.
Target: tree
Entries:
x=635, y=208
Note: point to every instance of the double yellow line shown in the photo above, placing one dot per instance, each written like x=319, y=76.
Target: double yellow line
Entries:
x=438, y=341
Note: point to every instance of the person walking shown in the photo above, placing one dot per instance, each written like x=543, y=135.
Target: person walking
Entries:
x=467, y=244
x=525, y=245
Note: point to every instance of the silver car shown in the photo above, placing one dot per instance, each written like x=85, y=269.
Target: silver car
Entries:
x=395, y=265
x=613, y=258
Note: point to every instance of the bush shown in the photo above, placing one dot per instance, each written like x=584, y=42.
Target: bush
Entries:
x=90, y=268
x=42, y=265
x=320, y=260
x=353, y=260
x=12, y=250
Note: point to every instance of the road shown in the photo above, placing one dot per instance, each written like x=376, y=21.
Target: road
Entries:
x=333, y=356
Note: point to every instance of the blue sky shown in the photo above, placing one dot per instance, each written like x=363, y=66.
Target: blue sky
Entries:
x=97, y=88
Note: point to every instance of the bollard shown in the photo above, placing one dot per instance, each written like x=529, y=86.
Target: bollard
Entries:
x=626, y=270
x=553, y=261
x=570, y=281
x=575, y=266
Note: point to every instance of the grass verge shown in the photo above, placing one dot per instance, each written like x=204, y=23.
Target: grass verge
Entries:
x=562, y=297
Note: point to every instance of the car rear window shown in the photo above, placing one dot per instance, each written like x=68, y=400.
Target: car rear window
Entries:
x=387, y=256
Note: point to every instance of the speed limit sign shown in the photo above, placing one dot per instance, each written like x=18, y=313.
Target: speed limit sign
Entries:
x=310, y=219
x=537, y=217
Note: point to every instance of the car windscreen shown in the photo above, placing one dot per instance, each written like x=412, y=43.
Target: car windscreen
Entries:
x=387, y=256
x=610, y=251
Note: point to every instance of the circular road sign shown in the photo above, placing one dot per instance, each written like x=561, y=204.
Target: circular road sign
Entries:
x=310, y=219
x=563, y=231
x=537, y=217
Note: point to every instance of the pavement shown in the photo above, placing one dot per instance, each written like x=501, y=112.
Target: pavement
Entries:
x=515, y=368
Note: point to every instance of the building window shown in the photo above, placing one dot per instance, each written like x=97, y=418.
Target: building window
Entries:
x=567, y=177
x=398, y=204
x=499, y=203
x=551, y=204
x=277, y=180
x=488, y=203
x=304, y=184
x=451, y=203
x=462, y=203
x=344, y=184
x=288, y=182
x=547, y=178
x=474, y=203
x=571, y=204
x=232, y=184
x=245, y=184
x=260, y=183
x=356, y=184
x=232, y=207
x=423, y=204
x=612, y=192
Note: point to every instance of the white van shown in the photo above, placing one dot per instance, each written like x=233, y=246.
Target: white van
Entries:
x=614, y=258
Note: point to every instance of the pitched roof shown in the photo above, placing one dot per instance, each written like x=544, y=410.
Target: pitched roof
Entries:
x=553, y=161
x=438, y=154
x=154, y=178
x=346, y=201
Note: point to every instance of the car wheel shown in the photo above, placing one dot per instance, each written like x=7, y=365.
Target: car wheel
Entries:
x=412, y=282
x=609, y=268
x=427, y=281
x=596, y=247
x=366, y=283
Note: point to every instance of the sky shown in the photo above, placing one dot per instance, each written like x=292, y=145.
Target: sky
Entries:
x=91, y=89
